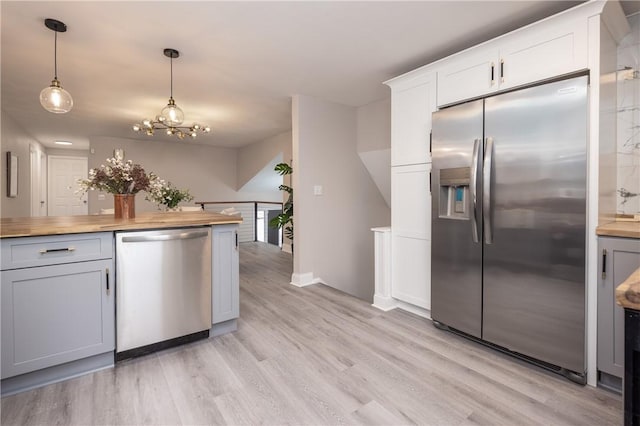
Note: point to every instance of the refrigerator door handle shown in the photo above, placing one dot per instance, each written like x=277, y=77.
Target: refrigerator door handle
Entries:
x=486, y=192
x=473, y=185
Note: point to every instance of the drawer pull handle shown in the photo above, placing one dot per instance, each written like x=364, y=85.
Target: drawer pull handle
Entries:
x=604, y=263
x=45, y=251
x=107, y=273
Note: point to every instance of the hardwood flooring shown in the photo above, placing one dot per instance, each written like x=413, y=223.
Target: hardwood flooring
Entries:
x=314, y=355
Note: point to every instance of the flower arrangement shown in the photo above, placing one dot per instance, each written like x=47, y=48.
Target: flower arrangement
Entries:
x=116, y=177
x=165, y=194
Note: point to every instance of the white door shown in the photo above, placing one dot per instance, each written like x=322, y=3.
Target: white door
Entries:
x=64, y=173
x=38, y=182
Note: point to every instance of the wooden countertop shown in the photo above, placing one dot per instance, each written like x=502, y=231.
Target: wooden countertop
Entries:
x=619, y=229
x=58, y=225
x=628, y=293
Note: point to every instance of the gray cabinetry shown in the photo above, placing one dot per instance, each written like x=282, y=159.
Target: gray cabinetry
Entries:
x=618, y=258
x=57, y=303
x=225, y=294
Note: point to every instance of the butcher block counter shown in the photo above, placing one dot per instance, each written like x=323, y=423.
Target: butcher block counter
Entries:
x=624, y=229
x=60, y=225
x=628, y=293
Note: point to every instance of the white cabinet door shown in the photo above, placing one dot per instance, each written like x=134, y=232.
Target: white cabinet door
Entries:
x=56, y=314
x=225, y=290
x=469, y=75
x=544, y=50
x=412, y=102
x=411, y=234
x=411, y=270
x=411, y=201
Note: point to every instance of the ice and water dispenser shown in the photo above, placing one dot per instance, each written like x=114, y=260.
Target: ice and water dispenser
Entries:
x=454, y=193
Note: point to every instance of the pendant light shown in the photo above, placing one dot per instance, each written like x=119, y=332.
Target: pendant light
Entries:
x=54, y=98
x=171, y=116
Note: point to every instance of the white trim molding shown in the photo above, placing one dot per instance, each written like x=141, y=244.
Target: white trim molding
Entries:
x=286, y=247
x=382, y=296
x=304, y=279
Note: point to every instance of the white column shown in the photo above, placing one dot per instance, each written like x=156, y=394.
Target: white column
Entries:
x=382, y=296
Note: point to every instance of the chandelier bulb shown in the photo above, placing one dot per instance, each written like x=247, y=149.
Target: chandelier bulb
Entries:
x=207, y=129
x=136, y=127
x=172, y=114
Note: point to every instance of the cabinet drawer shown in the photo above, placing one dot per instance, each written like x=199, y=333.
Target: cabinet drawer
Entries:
x=26, y=252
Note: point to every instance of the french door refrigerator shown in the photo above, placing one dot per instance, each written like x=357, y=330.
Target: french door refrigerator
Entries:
x=509, y=222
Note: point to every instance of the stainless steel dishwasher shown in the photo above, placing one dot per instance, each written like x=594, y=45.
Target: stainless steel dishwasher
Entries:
x=163, y=289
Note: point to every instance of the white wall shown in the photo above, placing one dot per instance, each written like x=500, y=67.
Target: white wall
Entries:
x=16, y=140
x=374, y=143
x=209, y=173
x=628, y=160
x=374, y=126
x=333, y=239
x=253, y=158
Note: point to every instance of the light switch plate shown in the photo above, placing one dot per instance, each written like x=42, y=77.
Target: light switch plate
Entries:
x=317, y=190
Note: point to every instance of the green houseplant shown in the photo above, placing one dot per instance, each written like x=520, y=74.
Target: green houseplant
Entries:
x=285, y=219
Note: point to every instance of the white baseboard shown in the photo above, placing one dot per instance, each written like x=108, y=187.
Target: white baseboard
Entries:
x=304, y=279
x=286, y=247
x=421, y=312
x=384, y=303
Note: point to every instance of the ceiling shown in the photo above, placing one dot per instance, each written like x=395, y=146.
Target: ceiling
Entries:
x=240, y=62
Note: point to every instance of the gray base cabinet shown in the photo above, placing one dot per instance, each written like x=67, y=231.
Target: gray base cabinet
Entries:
x=57, y=305
x=619, y=257
x=225, y=290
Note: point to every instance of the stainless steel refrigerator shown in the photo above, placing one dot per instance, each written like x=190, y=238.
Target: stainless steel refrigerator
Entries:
x=509, y=222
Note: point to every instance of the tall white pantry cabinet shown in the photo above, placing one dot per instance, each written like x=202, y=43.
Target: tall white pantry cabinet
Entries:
x=581, y=40
x=413, y=100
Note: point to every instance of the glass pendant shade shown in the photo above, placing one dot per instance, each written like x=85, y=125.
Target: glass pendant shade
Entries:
x=55, y=99
x=172, y=114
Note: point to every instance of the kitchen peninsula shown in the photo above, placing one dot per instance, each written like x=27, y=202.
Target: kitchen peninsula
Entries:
x=60, y=277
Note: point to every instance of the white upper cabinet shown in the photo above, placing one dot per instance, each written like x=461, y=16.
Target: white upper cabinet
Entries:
x=547, y=49
x=413, y=99
x=468, y=76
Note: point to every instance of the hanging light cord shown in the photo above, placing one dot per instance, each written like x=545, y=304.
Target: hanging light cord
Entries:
x=55, y=55
x=171, y=58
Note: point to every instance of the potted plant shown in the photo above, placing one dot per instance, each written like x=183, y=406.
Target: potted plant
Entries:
x=165, y=194
x=123, y=179
x=285, y=219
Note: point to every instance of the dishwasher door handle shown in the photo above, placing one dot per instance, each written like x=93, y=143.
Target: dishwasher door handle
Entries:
x=165, y=237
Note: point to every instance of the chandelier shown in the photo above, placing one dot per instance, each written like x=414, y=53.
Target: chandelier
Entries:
x=171, y=117
x=54, y=98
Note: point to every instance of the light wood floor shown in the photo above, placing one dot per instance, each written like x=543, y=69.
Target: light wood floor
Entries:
x=317, y=356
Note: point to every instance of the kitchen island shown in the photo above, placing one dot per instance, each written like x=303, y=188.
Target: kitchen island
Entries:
x=59, y=285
